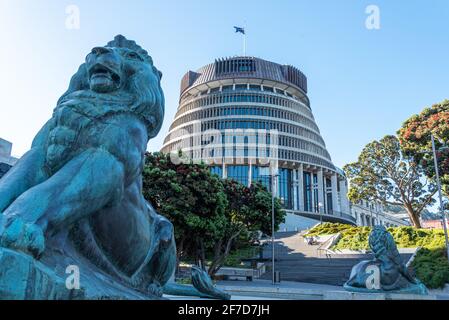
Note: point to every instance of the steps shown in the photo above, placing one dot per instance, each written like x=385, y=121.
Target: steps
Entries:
x=298, y=261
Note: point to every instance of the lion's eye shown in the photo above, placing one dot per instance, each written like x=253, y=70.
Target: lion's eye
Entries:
x=133, y=55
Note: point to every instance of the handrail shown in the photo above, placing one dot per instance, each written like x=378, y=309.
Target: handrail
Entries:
x=326, y=245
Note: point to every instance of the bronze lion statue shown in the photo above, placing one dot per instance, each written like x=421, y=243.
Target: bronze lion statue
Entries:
x=386, y=272
x=75, y=198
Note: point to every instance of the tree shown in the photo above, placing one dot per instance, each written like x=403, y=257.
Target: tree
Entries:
x=383, y=173
x=191, y=197
x=415, y=140
x=210, y=215
x=249, y=210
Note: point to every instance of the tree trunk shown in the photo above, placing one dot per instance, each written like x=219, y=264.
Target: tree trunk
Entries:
x=414, y=217
x=221, y=257
x=179, y=252
x=201, y=254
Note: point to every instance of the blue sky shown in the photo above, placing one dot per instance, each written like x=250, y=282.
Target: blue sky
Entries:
x=362, y=83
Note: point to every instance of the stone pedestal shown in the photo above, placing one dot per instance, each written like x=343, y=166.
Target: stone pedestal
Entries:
x=23, y=278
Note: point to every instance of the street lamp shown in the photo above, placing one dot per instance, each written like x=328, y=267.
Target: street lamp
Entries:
x=273, y=193
x=272, y=226
x=437, y=174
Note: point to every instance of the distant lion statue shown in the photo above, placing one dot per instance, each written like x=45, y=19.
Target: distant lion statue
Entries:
x=387, y=272
x=76, y=197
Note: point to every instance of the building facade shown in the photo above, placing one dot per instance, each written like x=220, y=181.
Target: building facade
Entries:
x=245, y=116
x=6, y=160
x=371, y=213
x=433, y=224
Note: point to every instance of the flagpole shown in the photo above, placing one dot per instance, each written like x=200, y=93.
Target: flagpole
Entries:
x=244, y=44
x=244, y=39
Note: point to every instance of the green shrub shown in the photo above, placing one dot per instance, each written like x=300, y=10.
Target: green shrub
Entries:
x=432, y=267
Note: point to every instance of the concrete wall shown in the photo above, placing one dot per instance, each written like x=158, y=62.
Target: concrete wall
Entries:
x=294, y=222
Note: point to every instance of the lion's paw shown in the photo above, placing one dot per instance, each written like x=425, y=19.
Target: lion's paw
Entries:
x=155, y=289
x=26, y=237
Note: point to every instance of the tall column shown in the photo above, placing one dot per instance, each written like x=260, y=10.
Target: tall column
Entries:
x=335, y=203
x=344, y=197
x=321, y=191
x=223, y=169
x=250, y=173
x=295, y=189
x=312, y=196
x=301, y=187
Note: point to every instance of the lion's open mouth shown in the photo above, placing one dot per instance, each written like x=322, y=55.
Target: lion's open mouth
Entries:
x=100, y=71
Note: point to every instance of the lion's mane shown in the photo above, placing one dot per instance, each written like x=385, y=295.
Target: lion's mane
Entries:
x=147, y=98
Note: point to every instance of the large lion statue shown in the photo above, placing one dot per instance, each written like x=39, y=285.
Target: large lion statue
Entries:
x=76, y=197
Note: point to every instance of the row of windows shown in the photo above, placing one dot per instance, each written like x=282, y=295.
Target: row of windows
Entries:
x=242, y=124
x=251, y=87
x=263, y=125
x=253, y=145
x=244, y=87
x=310, y=187
x=285, y=185
x=200, y=153
x=244, y=97
x=296, y=143
x=234, y=66
x=262, y=175
x=245, y=111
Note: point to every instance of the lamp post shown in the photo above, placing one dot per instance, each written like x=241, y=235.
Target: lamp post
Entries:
x=440, y=196
x=273, y=195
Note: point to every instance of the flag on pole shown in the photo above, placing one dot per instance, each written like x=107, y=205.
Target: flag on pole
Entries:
x=239, y=29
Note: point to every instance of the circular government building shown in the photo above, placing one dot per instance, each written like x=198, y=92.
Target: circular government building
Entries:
x=251, y=120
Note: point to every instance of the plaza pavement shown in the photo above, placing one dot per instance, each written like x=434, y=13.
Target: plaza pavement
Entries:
x=290, y=290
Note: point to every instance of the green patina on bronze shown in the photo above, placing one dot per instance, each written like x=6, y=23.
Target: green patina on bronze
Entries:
x=393, y=275
x=76, y=197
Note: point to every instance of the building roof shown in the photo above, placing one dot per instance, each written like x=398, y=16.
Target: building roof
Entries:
x=245, y=67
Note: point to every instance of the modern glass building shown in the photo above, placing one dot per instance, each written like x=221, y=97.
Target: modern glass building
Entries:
x=242, y=115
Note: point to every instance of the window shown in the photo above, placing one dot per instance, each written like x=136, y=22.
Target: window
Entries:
x=241, y=87
x=307, y=191
x=254, y=87
x=238, y=173
x=262, y=175
x=280, y=91
x=268, y=89
x=226, y=88
x=234, y=65
x=216, y=170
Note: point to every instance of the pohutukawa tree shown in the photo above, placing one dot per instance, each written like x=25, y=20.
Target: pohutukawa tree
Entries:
x=211, y=216
x=415, y=140
x=382, y=172
x=191, y=197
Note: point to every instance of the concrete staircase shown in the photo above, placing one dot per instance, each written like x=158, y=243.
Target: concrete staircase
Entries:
x=298, y=261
